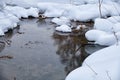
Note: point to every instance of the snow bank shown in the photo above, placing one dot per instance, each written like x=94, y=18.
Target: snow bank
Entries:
x=22, y=3
x=22, y=12
x=63, y=13
x=96, y=33
x=106, y=31
x=33, y=12
x=101, y=65
x=52, y=9
x=81, y=12
x=28, y=3
x=103, y=25
x=10, y=15
x=7, y=21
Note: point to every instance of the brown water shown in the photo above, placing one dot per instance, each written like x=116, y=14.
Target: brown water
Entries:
x=40, y=53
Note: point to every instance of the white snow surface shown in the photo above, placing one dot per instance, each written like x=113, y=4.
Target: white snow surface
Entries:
x=61, y=21
x=62, y=13
x=101, y=65
x=10, y=15
x=106, y=31
x=7, y=21
x=22, y=12
x=63, y=28
x=83, y=12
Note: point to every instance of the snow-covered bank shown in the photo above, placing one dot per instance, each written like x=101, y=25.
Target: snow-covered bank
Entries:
x=9, y=16
x=101, y=65
x=84, y=12
x=7, y=21
x=62, y=13
x=106, y=31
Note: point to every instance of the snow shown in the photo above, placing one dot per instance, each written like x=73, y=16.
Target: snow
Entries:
x=105, y=31
x=33, y=12
x=101, y=65
x=114, y=19
x=63, y=28
x=22, y=12
x=52, y=9
x=15, y=10
x=64, y=13
x=7, y=21
x=103, y=25
x=61, y=21
x=97, y=33
x=10, y=15
x=22, y=3
x=80, y=12
x=80, y=27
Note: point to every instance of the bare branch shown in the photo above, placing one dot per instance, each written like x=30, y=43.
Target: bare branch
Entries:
x=117, y=40
x=91, y=69
x=108, y=75
x=100, y=5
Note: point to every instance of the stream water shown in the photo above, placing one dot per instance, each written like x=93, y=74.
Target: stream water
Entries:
x=40, y=53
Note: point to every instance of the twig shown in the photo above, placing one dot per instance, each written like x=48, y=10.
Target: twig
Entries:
x=108, y=75
x=117, y=40
x=100, y=4
x=91, y=69
x=6, y=57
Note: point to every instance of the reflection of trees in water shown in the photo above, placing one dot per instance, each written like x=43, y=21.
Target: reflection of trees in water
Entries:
x=2, y=46
x=6, y=38
x=71, y=50
x=43, y=22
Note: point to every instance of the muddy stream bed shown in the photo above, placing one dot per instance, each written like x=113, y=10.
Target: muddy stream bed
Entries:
x=38, y=52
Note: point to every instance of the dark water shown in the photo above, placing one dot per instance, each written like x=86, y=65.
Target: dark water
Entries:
x=40, y=53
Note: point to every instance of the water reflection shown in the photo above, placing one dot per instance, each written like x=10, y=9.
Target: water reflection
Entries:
x=42, y=22
x=6, y=38
x=72, y=49
x=2, y=46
